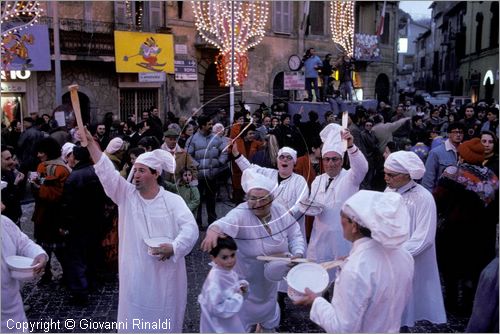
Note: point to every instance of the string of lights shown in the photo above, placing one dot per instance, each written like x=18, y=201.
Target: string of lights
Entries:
x=213, y=23
x=18, y=15
x=342, y=24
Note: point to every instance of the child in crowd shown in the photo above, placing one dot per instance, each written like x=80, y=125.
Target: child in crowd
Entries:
x=186, y=188
x=221, y=297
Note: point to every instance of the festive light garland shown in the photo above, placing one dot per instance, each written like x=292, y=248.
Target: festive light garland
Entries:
x=342, y=24
x=213, y=22
x=18, y=15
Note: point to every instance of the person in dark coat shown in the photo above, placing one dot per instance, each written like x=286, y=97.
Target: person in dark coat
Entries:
x=83, y=205
x=13, y=192
x=27, y=144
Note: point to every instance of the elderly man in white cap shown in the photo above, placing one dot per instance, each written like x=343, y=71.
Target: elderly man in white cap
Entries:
x=292, y=187
x=374, y=284
x=152, y=287
x=260, y=226
x=401, y=169
x=329, y=191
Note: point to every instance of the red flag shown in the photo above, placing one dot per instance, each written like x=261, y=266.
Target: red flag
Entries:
x=380, y=29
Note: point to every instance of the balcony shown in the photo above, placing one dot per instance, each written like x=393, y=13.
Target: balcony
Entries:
x=88, y=38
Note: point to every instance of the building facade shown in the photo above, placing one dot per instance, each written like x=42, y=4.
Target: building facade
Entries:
x=86, y=53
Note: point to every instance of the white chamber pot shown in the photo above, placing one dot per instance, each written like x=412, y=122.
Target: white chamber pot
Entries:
x=306, y=275
x=20, y=267
x=153, y=243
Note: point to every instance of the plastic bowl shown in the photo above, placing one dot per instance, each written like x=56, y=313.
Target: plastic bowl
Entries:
x=20, y=267
x=306, y=275
x=153, y=243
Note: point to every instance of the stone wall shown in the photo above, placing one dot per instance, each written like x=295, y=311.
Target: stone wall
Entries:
x=97, y=80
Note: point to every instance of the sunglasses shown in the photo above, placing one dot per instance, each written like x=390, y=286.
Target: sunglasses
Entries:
x=285, y=157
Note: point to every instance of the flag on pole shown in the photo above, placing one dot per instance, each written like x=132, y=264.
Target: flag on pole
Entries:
x=380, y=28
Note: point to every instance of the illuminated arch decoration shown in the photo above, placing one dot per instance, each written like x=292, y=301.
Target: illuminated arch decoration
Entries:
x=213, y=22
x=342, y=25
x=18, y=15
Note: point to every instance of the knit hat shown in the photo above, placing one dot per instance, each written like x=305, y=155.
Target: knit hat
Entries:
x=472, y=151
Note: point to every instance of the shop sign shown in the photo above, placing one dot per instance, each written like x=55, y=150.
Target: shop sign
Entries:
x=186, y=70
x=294, y=81
x=153, y=77
x=13, y=75
x=13, y=87
x=181, y=49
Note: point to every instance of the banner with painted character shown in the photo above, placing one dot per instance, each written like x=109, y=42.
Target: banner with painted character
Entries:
x=138, y=52
x=28, y=49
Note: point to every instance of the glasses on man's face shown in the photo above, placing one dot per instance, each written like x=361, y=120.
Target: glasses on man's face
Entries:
x=457, y=132
x=334, y=159
x=392, y=175
x=285, y=157
x=262, y=199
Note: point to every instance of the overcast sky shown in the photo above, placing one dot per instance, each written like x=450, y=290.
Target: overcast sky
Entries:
x=417, y=9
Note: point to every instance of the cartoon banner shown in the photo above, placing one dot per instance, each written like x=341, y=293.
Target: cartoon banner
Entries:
x=137, y=52
x=28, y=49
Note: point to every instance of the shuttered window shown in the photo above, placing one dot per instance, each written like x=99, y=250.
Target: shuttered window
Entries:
x=282, y=16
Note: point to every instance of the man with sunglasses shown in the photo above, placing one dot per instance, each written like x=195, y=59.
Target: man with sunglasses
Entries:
x=426, y=301
x=443, y=156
x=329, y=191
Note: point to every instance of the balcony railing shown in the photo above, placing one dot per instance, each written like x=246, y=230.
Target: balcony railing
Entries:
x=87, y=38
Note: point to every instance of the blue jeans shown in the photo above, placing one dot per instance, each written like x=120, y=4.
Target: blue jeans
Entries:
x=309, y=84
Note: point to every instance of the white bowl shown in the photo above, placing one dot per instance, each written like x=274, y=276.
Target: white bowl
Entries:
x=153, y=243
x=20, y=267
x=306, y=275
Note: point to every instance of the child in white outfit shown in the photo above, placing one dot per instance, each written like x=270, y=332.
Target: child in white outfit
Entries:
x=222, y=294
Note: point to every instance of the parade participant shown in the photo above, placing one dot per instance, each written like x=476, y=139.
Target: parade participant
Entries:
x=15, y=242
x=330, y=190
x=292, y=187
x=151, y=288
x=374, y=284
x=260, y=226
x=222, y=294
x=426, y=303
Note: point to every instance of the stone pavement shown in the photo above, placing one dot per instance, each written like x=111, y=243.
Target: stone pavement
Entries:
x=52, y=301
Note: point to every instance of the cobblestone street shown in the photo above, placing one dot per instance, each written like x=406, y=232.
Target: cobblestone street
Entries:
x=51, y=301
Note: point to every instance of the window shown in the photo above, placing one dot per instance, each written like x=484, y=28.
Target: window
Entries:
x=142, y=15
x=479, y=31
x=384, y=39
x=134, y=101
x=282, y=17
x=316, y=17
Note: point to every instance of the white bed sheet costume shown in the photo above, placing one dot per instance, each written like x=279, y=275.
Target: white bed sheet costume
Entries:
x=244, y=226
x=290, y=191
x=221, y=301
x=14, y=242
x=426, y=302
x=149, y=289
x=374, y=284
x=327, y=241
